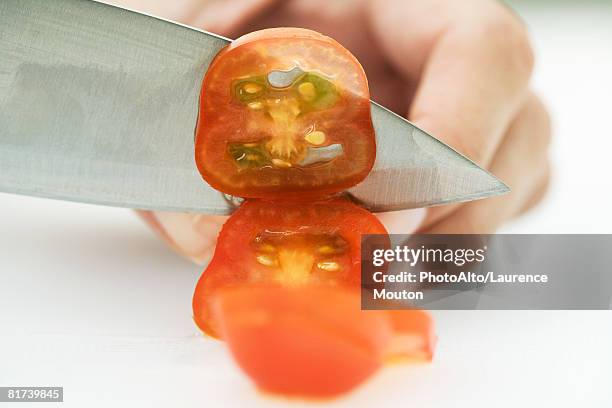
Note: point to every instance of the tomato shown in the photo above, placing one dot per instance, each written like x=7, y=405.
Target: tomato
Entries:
x=285, y=121
x=413, y=335
x=289, y=244
x=310, y=341
x=284, y=112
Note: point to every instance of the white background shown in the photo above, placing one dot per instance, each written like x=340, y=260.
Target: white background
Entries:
x=573, y=42
x=91, y=301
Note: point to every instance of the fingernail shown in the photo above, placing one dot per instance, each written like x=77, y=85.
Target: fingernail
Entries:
x=404, y=221
x=191, y=235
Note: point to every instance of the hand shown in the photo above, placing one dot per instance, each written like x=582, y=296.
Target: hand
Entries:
x=458, y=69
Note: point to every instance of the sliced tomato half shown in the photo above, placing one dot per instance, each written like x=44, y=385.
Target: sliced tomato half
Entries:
x=284, y=112
x=311, y=341
x=288, y=244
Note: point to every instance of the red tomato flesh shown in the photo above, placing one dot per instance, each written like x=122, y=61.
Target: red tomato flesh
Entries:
x=414, y=338
x=288, y=244
x=284, y=112
x=309, y=341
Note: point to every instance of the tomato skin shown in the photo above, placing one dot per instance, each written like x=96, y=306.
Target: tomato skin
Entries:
x=313, y=342
x=222, y=121
x=233, y=263
x=414, y=337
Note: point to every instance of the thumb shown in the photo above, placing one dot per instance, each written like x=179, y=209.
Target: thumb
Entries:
x=191, y=235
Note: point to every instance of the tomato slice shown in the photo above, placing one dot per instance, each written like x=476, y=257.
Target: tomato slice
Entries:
x=414, y=338
x=289, y=244
x=284, y=112
x=311, y=341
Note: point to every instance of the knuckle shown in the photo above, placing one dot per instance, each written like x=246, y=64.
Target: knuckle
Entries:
x=469, y=222
x=471, y=150
x=512, y=37
x=541, y=119
x=456, y=135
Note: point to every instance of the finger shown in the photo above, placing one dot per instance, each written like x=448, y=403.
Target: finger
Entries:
x=174, y=10
x=528, y=138
x=191, y=235
x=540, y=191
x=435, y=214
x=402, y=222
x=470, y=90
x=224, y=17
x=473, y=67
x=220, y=17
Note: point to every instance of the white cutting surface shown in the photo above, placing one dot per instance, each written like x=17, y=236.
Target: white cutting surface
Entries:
x=91, y=301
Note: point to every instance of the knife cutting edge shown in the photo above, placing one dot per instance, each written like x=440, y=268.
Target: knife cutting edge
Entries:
x=98, y=104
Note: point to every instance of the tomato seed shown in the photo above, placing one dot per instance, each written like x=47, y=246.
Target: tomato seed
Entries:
x=281, y=163
x=252, y=88
x=266, y=260
x=316, y=138
x=308, y=91
x=329, y=266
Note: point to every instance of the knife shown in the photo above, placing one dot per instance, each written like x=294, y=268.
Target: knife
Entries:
x=98, y=104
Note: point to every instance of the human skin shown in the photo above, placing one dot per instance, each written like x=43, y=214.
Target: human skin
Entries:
x=459, y=69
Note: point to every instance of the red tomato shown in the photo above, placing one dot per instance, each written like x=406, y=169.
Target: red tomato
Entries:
x=291, y=244
x=284, y=112
x=413, y=335
x=310, y=341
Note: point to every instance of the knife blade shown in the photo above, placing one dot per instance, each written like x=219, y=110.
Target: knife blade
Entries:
x=98, y=104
